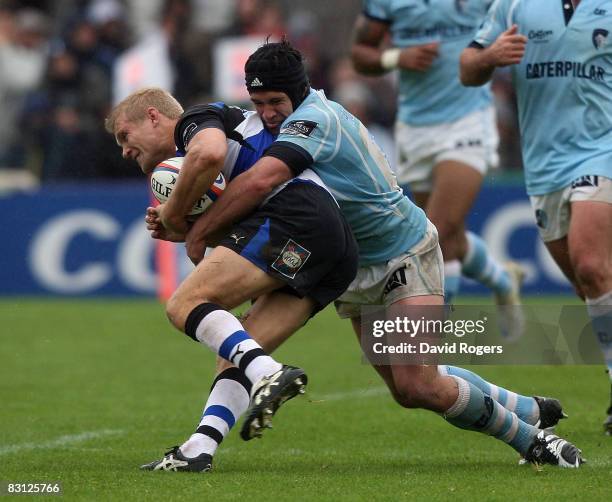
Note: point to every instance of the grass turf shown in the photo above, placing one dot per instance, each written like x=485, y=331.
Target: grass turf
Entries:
x=92, y=389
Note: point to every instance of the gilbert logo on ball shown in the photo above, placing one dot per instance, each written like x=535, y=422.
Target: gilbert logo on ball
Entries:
x=163, y=181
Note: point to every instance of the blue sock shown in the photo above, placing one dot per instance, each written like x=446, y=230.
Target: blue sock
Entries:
x=452, y=279
x=600, y=312
x=228, y=400
x=525, y=407
x=476, y=411
x=478, y=264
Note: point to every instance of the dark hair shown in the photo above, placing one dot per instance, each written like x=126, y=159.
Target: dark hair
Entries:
x=278, y=66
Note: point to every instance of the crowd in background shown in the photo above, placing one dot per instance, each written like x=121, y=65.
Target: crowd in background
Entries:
x=64, y=63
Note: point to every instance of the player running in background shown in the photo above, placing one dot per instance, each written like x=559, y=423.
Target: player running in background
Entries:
x=445, y=133
x=561, y=58
x=399, y=256
x=294, y=253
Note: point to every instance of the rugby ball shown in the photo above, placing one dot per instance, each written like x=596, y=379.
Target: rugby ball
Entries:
x=163, y=180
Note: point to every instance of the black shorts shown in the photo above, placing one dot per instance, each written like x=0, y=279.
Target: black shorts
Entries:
x=300, y=237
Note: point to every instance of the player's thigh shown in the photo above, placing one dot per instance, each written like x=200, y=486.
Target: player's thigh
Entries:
x=225, y=278
x=383, y=370
x=455, y=188
x=275, y=316
x=272, y=319
x=411, y=379
x=559, y=250
x=590, y=238
x=421, y=199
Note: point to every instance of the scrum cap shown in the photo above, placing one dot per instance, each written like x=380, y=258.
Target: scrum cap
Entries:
x=278, y=67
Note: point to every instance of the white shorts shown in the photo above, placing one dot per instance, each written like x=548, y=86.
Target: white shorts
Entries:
x=552, y=210
x=471, y=140
x=418, y=272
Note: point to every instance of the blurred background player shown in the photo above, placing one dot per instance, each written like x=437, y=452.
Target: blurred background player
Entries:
x=400, y=262
x=445, y=133
x=295, y=254
x=563, y=89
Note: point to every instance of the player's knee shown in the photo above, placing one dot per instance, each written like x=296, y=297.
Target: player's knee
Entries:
x=174, y=312
x=178, y=308
x=412, y=395
x=449, y=234
x=591, y=271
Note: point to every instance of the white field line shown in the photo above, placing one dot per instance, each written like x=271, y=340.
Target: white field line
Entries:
x=71, y=439
x=59, y=442
x=351, y=394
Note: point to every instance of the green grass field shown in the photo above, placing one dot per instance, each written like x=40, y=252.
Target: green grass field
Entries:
x=92, y=389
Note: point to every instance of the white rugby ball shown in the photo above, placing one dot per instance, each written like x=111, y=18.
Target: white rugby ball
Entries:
x=163, y=180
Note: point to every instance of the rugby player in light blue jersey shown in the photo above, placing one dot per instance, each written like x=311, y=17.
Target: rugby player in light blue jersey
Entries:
x=399, y=256
x=445, y=133
x=561, y=58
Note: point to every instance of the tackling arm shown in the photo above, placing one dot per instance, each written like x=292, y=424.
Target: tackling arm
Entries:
x=204, y=160
x=241, y=197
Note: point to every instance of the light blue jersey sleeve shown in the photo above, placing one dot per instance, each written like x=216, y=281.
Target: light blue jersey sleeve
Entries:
x=376, y=9
x=312, y=131
x=498, y=20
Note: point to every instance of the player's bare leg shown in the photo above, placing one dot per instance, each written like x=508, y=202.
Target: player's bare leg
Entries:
x=199, y=307
x=271, y=320
x=455, y=188
x=590, y=252
x=559, y=250
x=463, y=404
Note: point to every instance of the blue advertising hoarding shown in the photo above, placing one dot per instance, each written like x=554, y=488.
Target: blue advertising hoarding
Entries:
x=90, y=240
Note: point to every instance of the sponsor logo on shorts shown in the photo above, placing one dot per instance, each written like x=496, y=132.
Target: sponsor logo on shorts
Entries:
x=299, y=128
x=586, y=181
x=468, y=143
x=291, y=259
x=541, y=218
x=397, y=279
x=237, y=237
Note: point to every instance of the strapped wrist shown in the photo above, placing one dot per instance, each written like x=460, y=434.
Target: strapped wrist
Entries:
x=389, y=59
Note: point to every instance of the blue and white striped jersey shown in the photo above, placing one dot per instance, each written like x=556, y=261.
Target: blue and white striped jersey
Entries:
x=435, y=96
x=247, y=139
x=563, y=85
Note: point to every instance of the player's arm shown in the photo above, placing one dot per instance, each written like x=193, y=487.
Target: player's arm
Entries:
x=477, y=63
x=240, y=198
x=205, y=142
x=365, y=50
x=201, y=167
x=371, y=59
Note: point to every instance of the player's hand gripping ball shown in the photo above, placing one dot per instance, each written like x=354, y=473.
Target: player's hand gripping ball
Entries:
x=163, y=180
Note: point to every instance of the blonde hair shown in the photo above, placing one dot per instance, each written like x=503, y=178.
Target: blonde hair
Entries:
x=134, y=107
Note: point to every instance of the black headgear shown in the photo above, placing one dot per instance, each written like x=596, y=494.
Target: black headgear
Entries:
x=277, y=67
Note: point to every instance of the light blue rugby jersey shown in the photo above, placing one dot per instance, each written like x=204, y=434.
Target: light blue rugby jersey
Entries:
x=564, y=87
x=355, y=170
x=437, y=95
